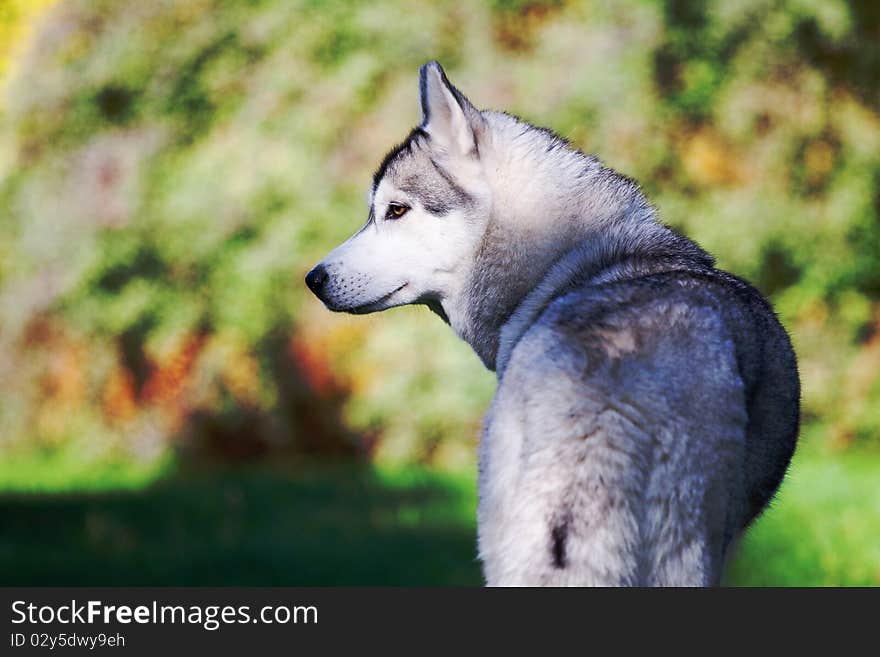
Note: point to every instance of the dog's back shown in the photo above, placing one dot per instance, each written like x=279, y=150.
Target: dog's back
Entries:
x=640, y=424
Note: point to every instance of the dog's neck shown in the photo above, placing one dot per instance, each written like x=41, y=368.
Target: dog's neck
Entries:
x=556, y=214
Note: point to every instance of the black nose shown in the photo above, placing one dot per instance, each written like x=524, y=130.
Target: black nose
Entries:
x=316, y=278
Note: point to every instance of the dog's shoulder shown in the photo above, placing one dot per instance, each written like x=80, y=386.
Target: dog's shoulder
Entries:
x=658, y=325
x=640, y=365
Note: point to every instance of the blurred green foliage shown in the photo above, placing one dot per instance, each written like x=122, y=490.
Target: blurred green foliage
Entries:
x=169, y=171
x=17, y=17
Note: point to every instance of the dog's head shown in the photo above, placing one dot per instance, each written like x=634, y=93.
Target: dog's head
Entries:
x=428, y=207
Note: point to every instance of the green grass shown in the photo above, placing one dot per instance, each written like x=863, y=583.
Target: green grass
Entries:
x=65, y=470
x=822, y=530
x=265, y=526
x=348, y=525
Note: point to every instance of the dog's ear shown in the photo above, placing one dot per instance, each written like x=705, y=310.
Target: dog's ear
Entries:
x=447, y=116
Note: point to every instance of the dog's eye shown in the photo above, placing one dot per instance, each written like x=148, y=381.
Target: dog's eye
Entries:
x=396, y=211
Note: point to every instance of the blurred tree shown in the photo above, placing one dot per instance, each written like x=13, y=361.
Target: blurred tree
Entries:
x=172, y=169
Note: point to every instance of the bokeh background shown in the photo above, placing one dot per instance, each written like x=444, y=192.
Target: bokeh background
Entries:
x=176, y=409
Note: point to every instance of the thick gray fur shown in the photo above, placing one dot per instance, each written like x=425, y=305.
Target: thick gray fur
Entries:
x=648, y=402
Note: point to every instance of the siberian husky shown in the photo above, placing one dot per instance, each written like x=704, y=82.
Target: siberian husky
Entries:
x=647, y=402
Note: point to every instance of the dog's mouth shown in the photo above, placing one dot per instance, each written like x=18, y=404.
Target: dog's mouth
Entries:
x=371, y=306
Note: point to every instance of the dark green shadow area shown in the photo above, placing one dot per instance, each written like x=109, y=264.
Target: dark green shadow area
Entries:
x=321, y=525
x=264, y=526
